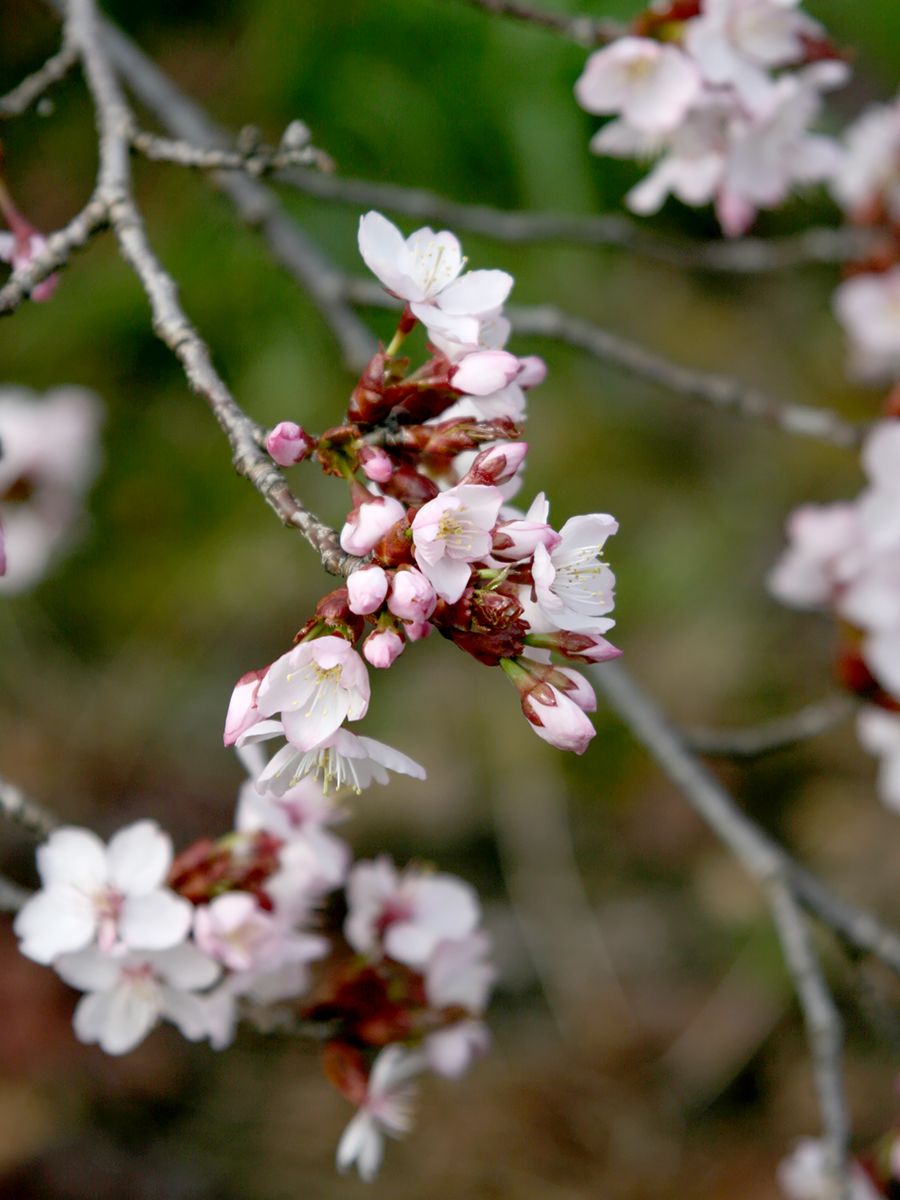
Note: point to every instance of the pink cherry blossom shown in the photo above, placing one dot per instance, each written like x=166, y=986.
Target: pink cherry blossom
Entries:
x=382, y=648
x=812, y=568
x=579, y=689
x=460, y=974
x=518, y=539
x=450, y=532
x=573, y=586
x=127, y=995
x=532, y=371
x=369, y=522
x=650, y=84
x=869, y=169
x=386, y=1111
x=112, y=894
x=557, y=719
x=451, y=1051
x=412, y=597
x=242, y=710
x=315, y=687
x=234, y=930
x=485, y=372
x=288, y=444
x=367, y=588
x=868, y=307
x=406, y=915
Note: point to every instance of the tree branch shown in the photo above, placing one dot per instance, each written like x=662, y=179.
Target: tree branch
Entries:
x=93, y=218
x=758, y=740
x=31, y=816
x=587, y=31
x=12, y=896
x=258, y=159
x=33, y=86
x=743, y=256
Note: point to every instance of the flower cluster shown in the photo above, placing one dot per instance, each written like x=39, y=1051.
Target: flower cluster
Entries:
x=845, y=558
x=723, y=93
x=432, y=455
x=49, y=459
x=867, y=187
x=391, y=964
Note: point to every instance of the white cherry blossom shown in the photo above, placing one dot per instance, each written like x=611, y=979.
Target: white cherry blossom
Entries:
x=869, y=169
x=649, y=84
x=453, y=530
x=573, y=586
x=868, y=307
x=386, y=1111
x=112, y=894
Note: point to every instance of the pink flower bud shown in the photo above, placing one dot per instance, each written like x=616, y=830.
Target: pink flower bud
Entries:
x=557, y=719
x=367, y=589
x=485, y=372
x=376, y=464
x=417, y=630
x=578, y=689
x=498, y=464
x=532, y=371
x=412, y=597
x=242, y=710
x=369, y=522
x=289, y=444
x=381, y=648
x=21, y=247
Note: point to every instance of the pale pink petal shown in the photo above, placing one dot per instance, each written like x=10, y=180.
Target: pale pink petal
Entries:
x=154, y=921
x=139, y=858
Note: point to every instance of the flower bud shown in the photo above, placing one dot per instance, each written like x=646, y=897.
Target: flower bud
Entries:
x=376, y=464
x=557, y=719
x=498, y=464
x=578, y=689
x=532, y=371
x=367, y=589
x=288, y=444
x=412, y=597
x=416, y=630
x=382, y=648
x=242, y=710
x=485, y=372
x=369, y=522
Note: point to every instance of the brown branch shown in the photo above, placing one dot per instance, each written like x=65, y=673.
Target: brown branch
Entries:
x=33, y=86
x=781, y=734
x=743, y=256
x=27, y=813
x=585, y=30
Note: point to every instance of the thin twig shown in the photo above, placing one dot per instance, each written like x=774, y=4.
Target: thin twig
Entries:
x=12, y=896
x=257, y=160
x=784, y=732
x=93, y=218
x=585, y=30
x=114, y=121
x=719, y=391
x=743, y=256
x=33, y=86
x=31, y=816
x=759, y=853
x=823, y=1030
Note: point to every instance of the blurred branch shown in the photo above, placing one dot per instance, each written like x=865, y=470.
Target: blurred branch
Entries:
x=787, y=888
x=33, y=86
x=742, y=256
x=257, y=159
x=12, y=896
x=755, y=741
x=585, y=30
x=31, y=816
x=718, y=391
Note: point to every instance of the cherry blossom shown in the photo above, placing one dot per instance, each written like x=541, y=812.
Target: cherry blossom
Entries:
x=517, y=539
x=242, y=711
x=868, y=307
x=341, y=760
x=288, y=444
x=367, y=588
x=417, y=268
x=485, y=372
x=869, y=170
x=450, y=532
x=573, y=586
x=412, y=597
x=382, y=648
x=811, y=570
x=369, y=522
x=128, y=995
x=112, y=894
x=451, y=1051
x=651, y=85
x=315, y=687
x=557, y=719
x=406, y=914
x=386, y=1111
x=879, y=733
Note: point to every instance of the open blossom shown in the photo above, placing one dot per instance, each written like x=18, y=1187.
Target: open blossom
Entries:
x=868, y=174
x=804, y=1175
x=242, y=710
x=518, y=538
x=386, y=1111
x=460, y=974
x=868, y=307
x=234, y=930
x=649, y=84
x=369, y=522
x=735, y=42
x=451, y=531
x=341, y=760
x=573, y=586
x=812, y=568
x=406, y=914
x=127, y=995
x=316, y=687
x=112, y=894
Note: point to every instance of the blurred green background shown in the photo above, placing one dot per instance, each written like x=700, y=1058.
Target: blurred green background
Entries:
x=646, y=1043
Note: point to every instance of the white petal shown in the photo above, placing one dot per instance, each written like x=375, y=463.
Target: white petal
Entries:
x=185, y=967
x=139, y=858
x=476, y=294
x=187, y=1012
x=74, y=856
x=155, y=921
x=360, y=1143
x=119, y=1020
x=90, y=970
x=54, y=922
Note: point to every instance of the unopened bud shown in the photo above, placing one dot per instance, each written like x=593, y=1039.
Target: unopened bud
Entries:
x=382, y=648
x=288, y=444
x=498, y=464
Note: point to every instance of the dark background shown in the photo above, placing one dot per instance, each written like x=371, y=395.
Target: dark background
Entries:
x=646, y=1040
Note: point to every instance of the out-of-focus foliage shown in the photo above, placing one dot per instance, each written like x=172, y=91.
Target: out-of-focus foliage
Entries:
x=114, y=675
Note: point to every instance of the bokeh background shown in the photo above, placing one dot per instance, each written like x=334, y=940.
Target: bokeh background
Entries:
x=646, y=1040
